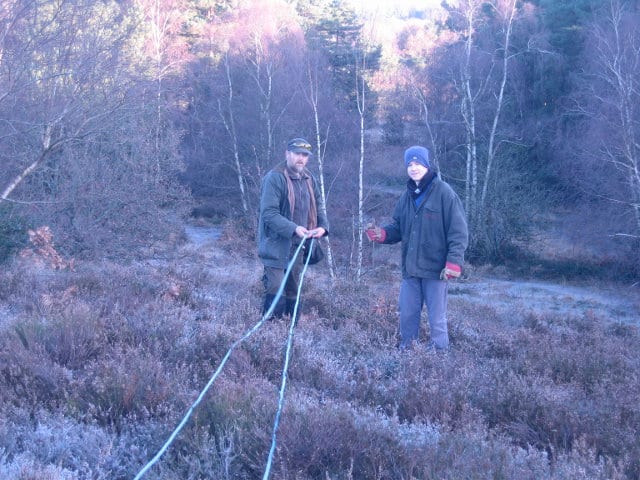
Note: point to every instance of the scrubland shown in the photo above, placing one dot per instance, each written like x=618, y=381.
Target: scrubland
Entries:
x=99, y=362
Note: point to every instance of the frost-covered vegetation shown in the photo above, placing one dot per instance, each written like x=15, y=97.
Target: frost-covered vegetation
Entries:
x=99, y=363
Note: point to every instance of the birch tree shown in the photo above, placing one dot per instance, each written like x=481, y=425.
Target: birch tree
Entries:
x=506, y=12
x=227, y=114
x=361, y=102
x=469, y=96
x=273, y=44
x=482, y=79
x=72, y=139
x=51, y=95
x=312, y=94
x=475, y=89
x=366, y=60
x=244, y=76
x=609, y=104
x=168, y=52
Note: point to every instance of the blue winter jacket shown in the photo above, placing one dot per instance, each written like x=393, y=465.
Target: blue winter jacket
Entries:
x=432, y=234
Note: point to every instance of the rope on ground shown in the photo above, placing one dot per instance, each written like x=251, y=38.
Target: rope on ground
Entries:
x=249, y=332
x=285, y=368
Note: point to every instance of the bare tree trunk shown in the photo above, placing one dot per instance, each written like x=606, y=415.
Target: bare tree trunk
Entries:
x=469, y=116
x=471, y=95
x=491, y=154
x=427, y=123
x=162, y=18
x=158, y=130
x=263, y=74
x=230, y=126
x=5, y=30
x=47, y=148
x=158, y=26
x=619, y=54
x=267, y=113
x=24, y=174
x=312, y=98
x=265, y=97
x=360, y=92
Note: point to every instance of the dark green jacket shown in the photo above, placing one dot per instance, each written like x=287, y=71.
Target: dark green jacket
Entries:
x=275, y=228
x=432, y=234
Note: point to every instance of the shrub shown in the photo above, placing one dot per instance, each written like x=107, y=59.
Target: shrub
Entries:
x=127, y=385
x=13, y=232
x=28, y=376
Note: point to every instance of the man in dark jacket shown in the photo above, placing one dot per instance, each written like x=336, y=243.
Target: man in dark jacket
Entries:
x=290, y=211
x=430, y=221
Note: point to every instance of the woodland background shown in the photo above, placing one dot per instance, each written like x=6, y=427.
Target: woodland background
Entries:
x=120, y=118
x=124, y=125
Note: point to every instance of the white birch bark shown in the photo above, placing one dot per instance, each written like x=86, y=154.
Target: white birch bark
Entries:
x=361, y=101
x=493, y=147
x=312, y=97
x=230, y=127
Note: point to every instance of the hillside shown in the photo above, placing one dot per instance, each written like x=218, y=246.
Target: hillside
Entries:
x=100, y=363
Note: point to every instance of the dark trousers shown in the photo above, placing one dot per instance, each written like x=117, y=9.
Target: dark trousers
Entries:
x=272, y=279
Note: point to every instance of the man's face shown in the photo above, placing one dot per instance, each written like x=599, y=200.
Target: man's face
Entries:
x=416, y=171
x=296, y=162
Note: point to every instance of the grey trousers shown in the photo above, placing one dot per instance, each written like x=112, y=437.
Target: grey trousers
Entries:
x=414, y=293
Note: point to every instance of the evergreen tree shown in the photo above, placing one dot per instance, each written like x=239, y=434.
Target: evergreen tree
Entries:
x=334, y=28
x=564, y=24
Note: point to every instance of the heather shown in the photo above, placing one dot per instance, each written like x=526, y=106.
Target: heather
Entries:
x=100, y=361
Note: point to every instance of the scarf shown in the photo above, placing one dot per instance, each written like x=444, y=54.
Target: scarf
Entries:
x=313, y=209
x=419, y=192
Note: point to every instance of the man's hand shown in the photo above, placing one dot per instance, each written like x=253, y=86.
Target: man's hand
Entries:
x=450, y=271
x=302, y=232
x=376, y=234
x=317, y=232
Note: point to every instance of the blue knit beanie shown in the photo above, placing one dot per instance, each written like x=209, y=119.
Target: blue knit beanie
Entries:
x=417, y=154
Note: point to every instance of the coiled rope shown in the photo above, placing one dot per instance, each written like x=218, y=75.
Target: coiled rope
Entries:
x=247, y=334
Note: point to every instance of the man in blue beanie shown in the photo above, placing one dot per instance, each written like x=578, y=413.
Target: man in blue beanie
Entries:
x=430, y=222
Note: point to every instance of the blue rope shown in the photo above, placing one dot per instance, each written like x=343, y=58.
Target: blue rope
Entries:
x=287, y=356
x=224, y=361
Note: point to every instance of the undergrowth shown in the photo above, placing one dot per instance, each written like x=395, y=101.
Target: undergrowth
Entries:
x=99, y=364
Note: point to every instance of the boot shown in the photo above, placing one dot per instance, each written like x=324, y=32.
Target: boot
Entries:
x=290, y=306
x=279, y=309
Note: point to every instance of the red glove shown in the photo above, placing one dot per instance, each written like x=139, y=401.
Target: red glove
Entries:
x=376, y=234
x=450, y=270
